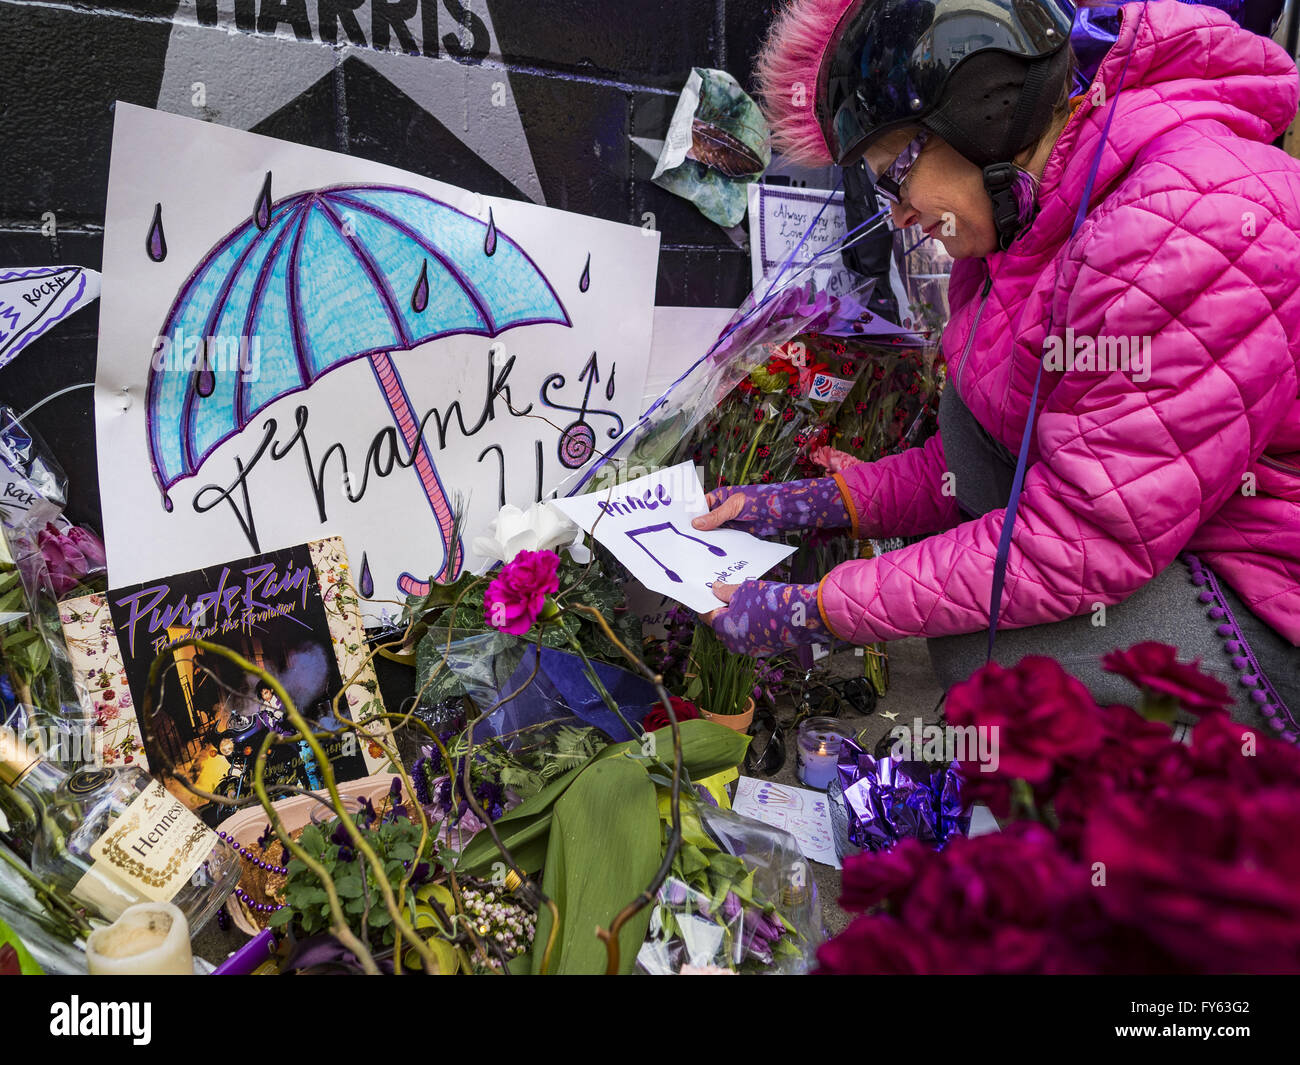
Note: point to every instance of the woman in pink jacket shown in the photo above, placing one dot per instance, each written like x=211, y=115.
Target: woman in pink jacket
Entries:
x=1139, y=245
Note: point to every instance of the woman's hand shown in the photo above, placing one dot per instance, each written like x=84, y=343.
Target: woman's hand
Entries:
x=766, y=617
x=725, y=505
x=723, y=592
x=767, y=509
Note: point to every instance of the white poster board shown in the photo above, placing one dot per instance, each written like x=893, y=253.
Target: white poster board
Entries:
x=646, y=525
x=341, y=305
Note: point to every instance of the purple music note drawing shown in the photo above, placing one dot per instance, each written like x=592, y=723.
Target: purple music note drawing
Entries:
x=665, y=526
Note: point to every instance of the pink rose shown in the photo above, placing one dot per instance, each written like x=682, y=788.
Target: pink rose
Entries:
x=1154, y=667
x=1043, y=715
x=517, y=595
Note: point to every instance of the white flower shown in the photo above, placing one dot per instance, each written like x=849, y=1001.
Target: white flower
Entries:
x=539, y=528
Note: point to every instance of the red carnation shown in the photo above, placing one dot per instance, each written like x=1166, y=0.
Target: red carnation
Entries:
x=881, y=946
x=1207, y=873
x=1154, y=667
x=1043, y=715
x=870, y=879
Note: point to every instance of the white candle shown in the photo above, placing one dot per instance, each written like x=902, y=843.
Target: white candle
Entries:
x=149, y=939
x=819, y=752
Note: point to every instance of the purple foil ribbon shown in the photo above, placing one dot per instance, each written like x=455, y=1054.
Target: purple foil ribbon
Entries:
x=888, y=799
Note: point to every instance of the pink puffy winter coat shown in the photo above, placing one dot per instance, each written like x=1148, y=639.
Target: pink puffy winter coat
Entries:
x=1192, y=238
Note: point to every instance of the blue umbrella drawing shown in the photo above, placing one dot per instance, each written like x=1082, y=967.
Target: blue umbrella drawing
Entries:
x=322, y=278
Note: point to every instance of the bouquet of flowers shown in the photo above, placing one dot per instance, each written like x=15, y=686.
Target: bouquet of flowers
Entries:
x=1127, y=851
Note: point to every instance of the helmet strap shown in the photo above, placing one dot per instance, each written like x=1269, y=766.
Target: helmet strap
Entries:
x=999, y=179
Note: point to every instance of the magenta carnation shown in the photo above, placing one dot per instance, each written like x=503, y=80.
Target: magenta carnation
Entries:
x=517, y=595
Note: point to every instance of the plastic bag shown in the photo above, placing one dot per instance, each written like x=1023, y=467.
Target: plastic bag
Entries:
x=755, y=912
x=502, y=676
x=33, y=481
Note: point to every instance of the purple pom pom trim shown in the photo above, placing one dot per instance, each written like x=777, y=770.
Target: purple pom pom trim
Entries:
x=1263, y=694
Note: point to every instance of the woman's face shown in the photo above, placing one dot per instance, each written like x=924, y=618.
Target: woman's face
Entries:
x=943, y=193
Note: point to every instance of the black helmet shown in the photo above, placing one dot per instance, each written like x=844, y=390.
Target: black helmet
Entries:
x=985, y=75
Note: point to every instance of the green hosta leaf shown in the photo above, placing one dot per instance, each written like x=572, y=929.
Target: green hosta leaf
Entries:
x=608, y=820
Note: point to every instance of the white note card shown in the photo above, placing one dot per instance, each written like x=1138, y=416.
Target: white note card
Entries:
x=646, y=525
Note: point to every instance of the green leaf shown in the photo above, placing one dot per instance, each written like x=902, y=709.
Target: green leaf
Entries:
x=349, y=887
x=607, y=820
x=707, y=747
x=312, y=840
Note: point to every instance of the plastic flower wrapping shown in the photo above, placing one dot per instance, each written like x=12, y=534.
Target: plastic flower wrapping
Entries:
x=741, y=900
x=767, y=319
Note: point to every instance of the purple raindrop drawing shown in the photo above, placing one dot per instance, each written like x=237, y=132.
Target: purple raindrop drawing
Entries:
x=420, y=294
x=155, y=244
x=584, y=282
x=366, y=582
x=490, y=238
x=205, y=379
x=262, y=212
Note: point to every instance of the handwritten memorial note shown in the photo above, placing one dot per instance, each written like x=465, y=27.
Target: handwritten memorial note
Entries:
x=646, y=524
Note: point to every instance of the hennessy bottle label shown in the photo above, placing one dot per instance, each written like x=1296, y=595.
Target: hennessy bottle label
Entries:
x=148, y=854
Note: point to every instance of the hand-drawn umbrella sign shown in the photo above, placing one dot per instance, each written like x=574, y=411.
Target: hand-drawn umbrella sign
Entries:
x=325, y=277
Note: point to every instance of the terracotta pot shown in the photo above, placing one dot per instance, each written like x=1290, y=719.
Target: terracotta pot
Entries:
x=740, y=722
x=247, y=825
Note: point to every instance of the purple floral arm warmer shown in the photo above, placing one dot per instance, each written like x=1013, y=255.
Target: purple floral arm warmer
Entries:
x=766, y=617
x=773, y=508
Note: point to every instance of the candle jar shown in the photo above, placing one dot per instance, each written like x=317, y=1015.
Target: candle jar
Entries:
x=149, y=939
x=818, y=744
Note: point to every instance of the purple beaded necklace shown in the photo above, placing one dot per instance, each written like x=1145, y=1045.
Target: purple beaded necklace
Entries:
x=1268, y=698
x=261, y=863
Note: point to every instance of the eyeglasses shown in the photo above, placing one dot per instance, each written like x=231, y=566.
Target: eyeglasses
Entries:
x=890, y=183
x=831, y=698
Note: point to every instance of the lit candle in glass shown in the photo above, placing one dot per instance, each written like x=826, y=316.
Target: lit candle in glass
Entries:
x=819, y=751
x=149, y=939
